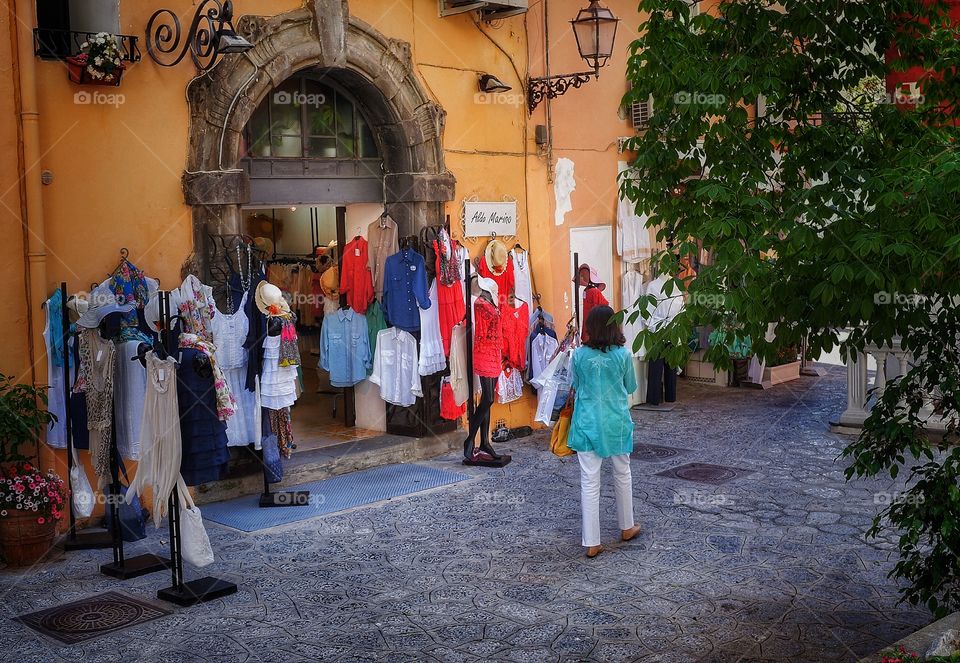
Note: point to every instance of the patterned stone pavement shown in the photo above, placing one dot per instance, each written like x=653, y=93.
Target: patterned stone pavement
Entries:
x=767, y=567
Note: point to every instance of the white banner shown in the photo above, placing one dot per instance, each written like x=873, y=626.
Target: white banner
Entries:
x=482, y=219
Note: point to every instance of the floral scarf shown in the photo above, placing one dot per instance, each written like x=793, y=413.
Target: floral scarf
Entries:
x=129, y=284
x=282, y=426
x=289, y=349
x=226, y=403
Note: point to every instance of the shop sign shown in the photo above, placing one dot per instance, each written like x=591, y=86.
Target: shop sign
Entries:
x=484, y=219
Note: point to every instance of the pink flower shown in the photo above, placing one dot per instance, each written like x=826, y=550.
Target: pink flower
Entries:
x=40, y=520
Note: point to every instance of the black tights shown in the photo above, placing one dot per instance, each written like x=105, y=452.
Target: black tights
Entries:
x=481, y=415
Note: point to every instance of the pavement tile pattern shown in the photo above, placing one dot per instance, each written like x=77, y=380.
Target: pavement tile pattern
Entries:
x=772, y=566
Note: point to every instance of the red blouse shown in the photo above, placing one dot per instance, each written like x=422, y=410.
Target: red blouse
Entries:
x=487, y=340
x=591, y=297
x=505, y=281
x=514, y=322
x=356, y=281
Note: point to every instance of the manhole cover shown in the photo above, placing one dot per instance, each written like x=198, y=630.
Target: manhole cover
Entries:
x=654, y=452
x=705, y=473
x=81, y=620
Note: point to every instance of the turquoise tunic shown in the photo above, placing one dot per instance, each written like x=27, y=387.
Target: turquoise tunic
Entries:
x=601, y=417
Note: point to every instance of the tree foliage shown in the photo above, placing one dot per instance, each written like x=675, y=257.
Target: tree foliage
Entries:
x=829, y=210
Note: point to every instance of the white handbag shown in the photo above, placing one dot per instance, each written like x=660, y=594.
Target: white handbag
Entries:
x=194, y=542
x=82, y=495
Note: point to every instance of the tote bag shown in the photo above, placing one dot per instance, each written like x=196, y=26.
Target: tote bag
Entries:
x=81, y=493
x=561, y=431
x=194, y=542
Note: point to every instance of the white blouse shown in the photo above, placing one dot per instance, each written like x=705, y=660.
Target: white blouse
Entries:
x=395, y=367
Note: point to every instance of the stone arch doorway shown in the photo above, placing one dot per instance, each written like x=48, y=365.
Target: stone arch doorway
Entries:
x=378, y=71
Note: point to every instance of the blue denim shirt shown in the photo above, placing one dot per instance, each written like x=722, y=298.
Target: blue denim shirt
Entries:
x=345, y=347
x=404, y=289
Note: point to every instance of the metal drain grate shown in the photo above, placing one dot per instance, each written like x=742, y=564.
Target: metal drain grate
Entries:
x=705, y=473
x=92, y=617
x=655, y=452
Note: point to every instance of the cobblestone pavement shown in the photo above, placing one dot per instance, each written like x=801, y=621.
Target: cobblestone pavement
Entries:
x=768, y=567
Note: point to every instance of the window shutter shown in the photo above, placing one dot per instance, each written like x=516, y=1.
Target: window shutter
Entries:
x=640, y=112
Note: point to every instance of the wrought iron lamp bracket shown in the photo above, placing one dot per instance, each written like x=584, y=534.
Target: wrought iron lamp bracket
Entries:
x=551, y=87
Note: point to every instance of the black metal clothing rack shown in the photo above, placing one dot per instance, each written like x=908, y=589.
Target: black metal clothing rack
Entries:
x=180, y=592
x=86, y=540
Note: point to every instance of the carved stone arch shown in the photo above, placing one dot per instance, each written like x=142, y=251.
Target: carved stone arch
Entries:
x=377, y=70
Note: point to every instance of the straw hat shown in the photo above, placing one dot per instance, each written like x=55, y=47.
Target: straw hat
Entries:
x=264, y=244
x=270, y=300
x=590, y=275
x=496, y=256
x=102, y=303
x=330, y=282
x=77, y=305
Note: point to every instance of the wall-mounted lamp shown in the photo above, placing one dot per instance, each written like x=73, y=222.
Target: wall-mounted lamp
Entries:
x=211, y=35
x=596, y=30
x=490, y=83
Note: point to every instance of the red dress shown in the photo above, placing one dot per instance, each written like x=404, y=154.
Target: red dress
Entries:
x=591, y=297
x=487, y=340
x=515, y=322
x=356, y=281
x=504, y=281
x=450, y=300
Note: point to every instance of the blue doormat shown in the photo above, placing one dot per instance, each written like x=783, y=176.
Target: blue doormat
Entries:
x=331, y=495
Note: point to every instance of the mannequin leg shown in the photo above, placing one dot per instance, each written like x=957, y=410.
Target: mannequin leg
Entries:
x=481, y=417
x=655, y=370
x=489, y=386
x=669, y=384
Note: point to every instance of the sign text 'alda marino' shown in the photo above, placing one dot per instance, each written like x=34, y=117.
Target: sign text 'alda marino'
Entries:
x=483, y=219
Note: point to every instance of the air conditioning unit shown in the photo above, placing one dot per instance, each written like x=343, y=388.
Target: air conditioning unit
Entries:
x=640, y=113
x=489, y=9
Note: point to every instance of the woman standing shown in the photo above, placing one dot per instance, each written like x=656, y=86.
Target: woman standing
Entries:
x=601, y=427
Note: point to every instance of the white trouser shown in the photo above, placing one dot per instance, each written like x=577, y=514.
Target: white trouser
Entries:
x=590, y=464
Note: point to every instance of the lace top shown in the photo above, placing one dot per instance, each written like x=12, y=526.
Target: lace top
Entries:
x=229, y=333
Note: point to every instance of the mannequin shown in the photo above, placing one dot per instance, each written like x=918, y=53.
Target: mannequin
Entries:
x=661, y=378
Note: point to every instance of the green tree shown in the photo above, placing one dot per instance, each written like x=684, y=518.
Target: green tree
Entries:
x=830, y=209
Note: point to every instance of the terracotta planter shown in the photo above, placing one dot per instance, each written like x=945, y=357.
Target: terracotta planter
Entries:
x=784, y=373
x=77, y=70
x=24, y=541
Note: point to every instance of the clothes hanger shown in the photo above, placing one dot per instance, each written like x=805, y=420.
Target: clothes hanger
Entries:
x=124, y=256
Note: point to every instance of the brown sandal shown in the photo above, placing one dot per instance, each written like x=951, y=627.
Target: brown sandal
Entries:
x=593, y=551
x=628, y=534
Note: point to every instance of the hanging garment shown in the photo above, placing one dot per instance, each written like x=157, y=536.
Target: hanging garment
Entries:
x=459, y=379
x=449, y=288
x=487, y=339
x=395, y=367
x=631, y=289
x=405, y=290
x=633, y=237
x=463, y=256
x=375, y=324
x=543, y=347
x=160, y=443
x=345, y=348
x=197, y=308
x=592, y=297
x=282, y=426
x=229, y=332
x=355, y=279
x=278, y=384
x=449, y=408
x=257, y=330
x=225, y=402
x=667, y=307
x=432, y=356
x=204, y=435
x=602, y=382
x=289, y=343
x=509, y=386
x=522, y=288
x=53, y=340
x=555, y=379
x=504, y=280
x=130, y=391
x=95, y=381
x=131, y=286
x=382, y=238
x=513, y=322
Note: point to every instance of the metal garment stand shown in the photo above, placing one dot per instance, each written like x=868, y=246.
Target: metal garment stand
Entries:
x=576, y=290
x=122, y=567
x=85, y=540
x=180, y=592
x=285, y=498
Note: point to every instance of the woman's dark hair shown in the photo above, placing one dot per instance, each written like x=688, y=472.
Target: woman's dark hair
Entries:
x=602, y=332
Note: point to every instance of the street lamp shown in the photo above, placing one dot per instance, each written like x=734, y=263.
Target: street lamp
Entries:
x=211, y=35
x=595, y=29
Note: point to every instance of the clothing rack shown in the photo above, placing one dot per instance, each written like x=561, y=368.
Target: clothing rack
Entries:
x=468, y=320
x=576, y=289
x=292, y=260
x=180, y=592
x=85, y=540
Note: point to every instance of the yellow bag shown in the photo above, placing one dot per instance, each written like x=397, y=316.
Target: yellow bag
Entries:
x=558, y=438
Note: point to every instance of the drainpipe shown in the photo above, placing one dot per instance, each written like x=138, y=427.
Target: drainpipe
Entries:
x=23, y=70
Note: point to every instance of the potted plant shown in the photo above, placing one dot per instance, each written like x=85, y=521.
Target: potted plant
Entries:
x=100, y=61
x=31, y=501
x=783, y=368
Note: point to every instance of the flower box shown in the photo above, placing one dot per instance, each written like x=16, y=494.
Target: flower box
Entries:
x=77, y=70
x=783, y=373
x=24, y=540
